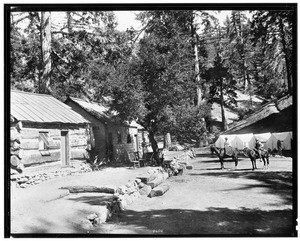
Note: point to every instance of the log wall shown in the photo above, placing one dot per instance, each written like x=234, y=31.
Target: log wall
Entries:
x=98, y=128
x=79, y=139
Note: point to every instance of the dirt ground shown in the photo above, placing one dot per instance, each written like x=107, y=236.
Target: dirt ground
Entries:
x=205, y=201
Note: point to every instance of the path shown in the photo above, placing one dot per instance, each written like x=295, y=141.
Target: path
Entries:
x=204, y=201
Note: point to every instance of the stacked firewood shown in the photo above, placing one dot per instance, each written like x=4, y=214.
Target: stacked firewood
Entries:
x=16, y=151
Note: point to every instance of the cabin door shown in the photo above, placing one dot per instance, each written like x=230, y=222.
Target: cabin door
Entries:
x=65, y=148
x=110, y=146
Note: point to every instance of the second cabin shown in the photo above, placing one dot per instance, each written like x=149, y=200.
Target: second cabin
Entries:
x=110, y=138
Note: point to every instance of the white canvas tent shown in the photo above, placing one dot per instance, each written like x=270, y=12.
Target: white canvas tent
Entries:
x=263, y=138
x=241, y=141
x=220, y=142
x=284, y=137
x=272, y=143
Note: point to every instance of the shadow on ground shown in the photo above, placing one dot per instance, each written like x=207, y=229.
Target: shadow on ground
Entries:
x=99, y=199
x=213, y=222
x=279, y=183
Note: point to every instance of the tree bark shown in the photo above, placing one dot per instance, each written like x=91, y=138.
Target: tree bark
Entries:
x=287, y=62
x=154, y=146
x=167, y=141
x=197, y=67
x=45, y=81
x=224, y=123
x=69, y=22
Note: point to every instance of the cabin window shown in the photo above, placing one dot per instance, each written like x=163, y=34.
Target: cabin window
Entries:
x=44, y=143
x=129, y=138
x=119, y=136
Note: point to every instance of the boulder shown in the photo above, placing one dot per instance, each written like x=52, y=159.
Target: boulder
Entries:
x=130, y=184
x=23, y=185
x=138, y=181
x=13, y=172
x=145, y=191
x=97, y=221
x=155, y=183
x=122, y=190
x=159, y=190
x=15, y=161
x=92, y=216
x=86, y=225
x=103, y=214
x=122, y=203
x=145, y=178
x=22, y=180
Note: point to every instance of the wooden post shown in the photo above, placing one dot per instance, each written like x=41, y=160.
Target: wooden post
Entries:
x=167, y=141
x=65, y=148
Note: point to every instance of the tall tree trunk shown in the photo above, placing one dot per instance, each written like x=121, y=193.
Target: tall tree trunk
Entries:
x=69, y=22
x=167, y=141
x=242, y=49
x=45, y=81
x=224, y=122
x=154, y=146
x=197, y=67
x=287, y=61
x=197, y=71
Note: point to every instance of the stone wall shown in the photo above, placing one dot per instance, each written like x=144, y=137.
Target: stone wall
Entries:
x=28, y=179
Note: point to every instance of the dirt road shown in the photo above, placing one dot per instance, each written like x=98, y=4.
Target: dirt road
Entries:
x=203, y=201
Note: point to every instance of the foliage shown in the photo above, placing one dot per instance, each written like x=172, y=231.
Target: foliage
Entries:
x=273, y=30
x=150, y=74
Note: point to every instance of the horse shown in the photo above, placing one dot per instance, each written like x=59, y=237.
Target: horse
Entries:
x=254, y=155
x=221, y=154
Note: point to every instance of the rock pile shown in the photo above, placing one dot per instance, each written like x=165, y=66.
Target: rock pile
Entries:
x=176, y=164
x=24, y=180
x=146, y=185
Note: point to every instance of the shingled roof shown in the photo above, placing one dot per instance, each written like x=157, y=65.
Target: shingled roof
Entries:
x=100, y=112
x=97, y=110
x=273, y=107
x=42, y=108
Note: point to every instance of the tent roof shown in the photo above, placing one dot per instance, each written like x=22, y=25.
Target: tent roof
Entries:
x=263, y=136
x=282, y=135
x=245, y=137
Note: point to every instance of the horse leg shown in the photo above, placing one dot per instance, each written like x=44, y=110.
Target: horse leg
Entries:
x=264, y=160
x=221, y=161
x=236, y=162
x=253, y=159
x=253, y=164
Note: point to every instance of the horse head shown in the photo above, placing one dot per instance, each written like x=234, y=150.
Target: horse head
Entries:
x=213, y=149
x=246, y=151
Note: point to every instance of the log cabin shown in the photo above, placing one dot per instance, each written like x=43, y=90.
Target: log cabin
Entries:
x=112, y=139
x=46, y=130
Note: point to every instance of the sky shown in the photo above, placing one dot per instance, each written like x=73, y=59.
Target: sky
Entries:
x=125, y=19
